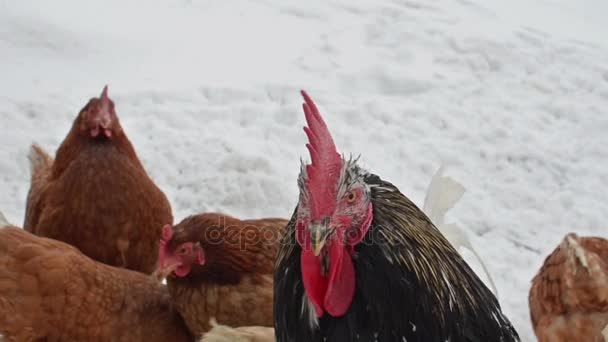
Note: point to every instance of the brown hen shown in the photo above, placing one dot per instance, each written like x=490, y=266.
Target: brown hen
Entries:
x=96, y=195
x=569, y=295
x=221, y=267
x=49, y=291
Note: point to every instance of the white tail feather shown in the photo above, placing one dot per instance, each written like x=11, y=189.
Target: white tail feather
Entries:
x=222, y=333
x=441, y=196
x=605, y=333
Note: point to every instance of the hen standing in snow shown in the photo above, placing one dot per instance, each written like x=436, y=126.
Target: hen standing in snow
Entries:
x=360, y=262
x=96, y=195
x=569, y=295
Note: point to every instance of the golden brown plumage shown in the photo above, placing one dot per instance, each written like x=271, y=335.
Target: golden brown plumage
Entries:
x=569, y=295
x=49, y=291
x=41, y=165
x=234, y=282
x=96, y=194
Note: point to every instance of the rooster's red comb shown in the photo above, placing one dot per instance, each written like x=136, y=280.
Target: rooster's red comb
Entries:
x=323, y=173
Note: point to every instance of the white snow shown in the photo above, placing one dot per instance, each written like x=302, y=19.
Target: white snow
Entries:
x=511, y=95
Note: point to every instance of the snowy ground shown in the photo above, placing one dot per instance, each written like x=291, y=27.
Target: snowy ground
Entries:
x=510, y=94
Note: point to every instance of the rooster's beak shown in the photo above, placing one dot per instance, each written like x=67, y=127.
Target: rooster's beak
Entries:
x=319, y=232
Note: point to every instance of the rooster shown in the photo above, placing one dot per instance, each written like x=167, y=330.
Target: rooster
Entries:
x=221, y=267
x=96, y=194
x=569, y=295
x=360, y=262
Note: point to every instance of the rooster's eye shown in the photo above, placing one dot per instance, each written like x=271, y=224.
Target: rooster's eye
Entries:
x=183, y=250
x=351, y=197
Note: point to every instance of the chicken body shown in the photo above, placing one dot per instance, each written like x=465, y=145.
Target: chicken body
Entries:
x=49, y=291
x=97, y=196
x=569, y=295
x=247, y=303
x=234, y=283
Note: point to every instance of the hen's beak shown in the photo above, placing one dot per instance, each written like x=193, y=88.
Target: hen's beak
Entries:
x=167, y=264
x=163, y=272
x=319, y=232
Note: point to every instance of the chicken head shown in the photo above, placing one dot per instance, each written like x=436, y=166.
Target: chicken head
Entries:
x=98, y=118
x=177, y=259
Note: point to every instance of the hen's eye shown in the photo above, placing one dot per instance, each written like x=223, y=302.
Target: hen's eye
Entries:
x=351, y=197
x=183, y=250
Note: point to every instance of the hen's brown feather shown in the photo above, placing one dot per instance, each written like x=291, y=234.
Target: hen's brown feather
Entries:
x=235, y=283
x=97, y=196
x=49, y=291
x=569, y=295
x=40, y=165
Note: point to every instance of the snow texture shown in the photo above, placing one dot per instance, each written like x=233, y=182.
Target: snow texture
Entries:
x=511, y=95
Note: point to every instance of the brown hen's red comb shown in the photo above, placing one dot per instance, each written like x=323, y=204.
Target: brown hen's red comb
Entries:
x=104, y=92
x=105, y=100
x=167, y=233
x=324, y=171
